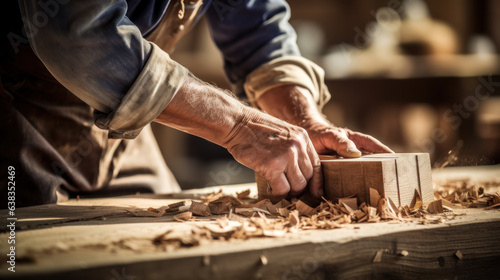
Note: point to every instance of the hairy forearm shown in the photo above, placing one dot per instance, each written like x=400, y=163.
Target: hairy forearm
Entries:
x=292, y=104
x=203, y=110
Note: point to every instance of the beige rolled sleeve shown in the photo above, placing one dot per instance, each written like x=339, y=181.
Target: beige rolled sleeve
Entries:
x=151, y=92
x=289, y=70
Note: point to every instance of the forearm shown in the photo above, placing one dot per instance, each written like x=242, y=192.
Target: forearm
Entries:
x=292, y=104
x=203, y=110
x=280, y=152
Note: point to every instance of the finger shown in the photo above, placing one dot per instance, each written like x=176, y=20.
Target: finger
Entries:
x=316, y=182
x=279, y=184
x=343, y=145
x=368, y=143
x=296, y=179
x=305, y=162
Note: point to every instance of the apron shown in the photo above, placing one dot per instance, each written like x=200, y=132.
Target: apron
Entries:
x=48, y=135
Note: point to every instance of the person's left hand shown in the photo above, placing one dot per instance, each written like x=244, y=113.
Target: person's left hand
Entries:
x=294, y=104
x=327, y=138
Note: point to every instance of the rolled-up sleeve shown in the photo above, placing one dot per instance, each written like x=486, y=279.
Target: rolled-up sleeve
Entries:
x=98, y=54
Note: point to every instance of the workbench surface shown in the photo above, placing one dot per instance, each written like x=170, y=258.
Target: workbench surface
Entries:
x=84, y=239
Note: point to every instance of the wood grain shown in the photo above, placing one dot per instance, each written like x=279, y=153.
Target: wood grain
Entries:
x=93, y=251
x=394, y=176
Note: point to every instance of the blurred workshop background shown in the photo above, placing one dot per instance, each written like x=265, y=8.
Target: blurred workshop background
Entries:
x=421, y=76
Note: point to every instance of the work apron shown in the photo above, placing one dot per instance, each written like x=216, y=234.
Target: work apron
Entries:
x=48, y=135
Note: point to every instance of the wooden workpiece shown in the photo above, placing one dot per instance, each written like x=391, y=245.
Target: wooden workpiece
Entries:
x=84, y=239
x=394, y=176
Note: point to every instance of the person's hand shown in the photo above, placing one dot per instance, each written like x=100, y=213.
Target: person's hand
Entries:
x=328, y=138
x=281, y=152
x=294, y=104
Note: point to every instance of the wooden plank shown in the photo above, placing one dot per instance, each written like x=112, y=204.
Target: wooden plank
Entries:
x=93, y=249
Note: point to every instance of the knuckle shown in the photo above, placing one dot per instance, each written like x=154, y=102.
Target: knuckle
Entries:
x=280, y=191
x=300, y=184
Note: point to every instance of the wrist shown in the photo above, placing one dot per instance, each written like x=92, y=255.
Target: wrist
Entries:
x=247, y=115
x=291, y=103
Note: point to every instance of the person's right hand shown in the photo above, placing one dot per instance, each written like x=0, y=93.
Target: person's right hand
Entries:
x=281, y=152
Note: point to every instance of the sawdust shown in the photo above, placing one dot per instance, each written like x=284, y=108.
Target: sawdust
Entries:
x=465, y=194
x=234, y=219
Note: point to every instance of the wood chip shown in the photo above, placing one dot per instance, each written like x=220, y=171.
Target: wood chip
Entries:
x=139, y=213
x=175, y=206
x=378, y=256
x=416, y=202
x=244, y=194
x=200, y=209
x=350, y=202
x=263, y=260
x=212, y=196
x=305, y=209
x=385, y=210
x=251, y=211
x=219, y=208
x=284, y=212
x=435, y=207
x=185, y=216
x=403, y=253
x=374, y=197
x=459, y=255
x=293, y=218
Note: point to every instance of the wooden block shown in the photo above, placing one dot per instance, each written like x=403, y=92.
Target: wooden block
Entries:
x=414, y=172
x=346, y=177
x=394, y=176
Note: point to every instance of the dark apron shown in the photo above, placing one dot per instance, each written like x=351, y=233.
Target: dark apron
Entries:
x=48, y=136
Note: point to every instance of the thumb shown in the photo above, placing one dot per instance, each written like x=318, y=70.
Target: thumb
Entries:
x=347, y=148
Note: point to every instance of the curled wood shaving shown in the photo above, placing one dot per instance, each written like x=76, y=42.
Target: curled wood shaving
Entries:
x=212, y=196
x=304, y=209
x=350, y=203
x=470, y=195
x=184, y=216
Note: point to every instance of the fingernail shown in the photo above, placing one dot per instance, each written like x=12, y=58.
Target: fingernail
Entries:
x=353, y=152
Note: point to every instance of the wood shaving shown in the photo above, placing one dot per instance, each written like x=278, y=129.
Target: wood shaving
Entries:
x=374, y=196
x=465, y=194
x=185, y=216
x=265, y=219
x=378, y=256
x=200, y=209
x=350, y=202
x=435, y=207
x=304, y=209
x=244, y=194
x=212, y=196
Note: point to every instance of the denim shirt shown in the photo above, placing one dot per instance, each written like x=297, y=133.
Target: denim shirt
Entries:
x=97, y=50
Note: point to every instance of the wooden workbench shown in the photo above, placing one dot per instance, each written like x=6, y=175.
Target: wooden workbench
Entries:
x=83, y=239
